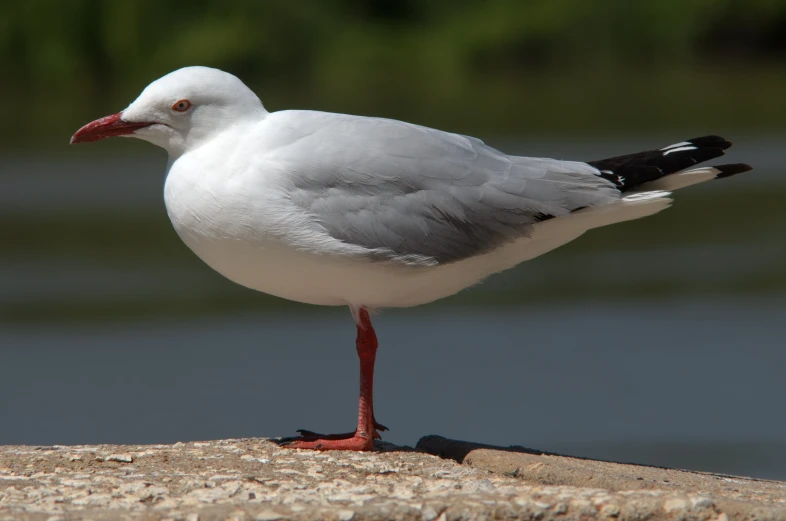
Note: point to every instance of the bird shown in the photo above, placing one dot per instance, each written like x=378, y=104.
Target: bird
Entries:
x=372, y=213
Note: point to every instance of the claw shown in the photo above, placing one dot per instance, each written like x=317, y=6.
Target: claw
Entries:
x=356, y=443
x=359, y=441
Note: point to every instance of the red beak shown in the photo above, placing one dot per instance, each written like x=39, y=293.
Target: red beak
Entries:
x=109, y=126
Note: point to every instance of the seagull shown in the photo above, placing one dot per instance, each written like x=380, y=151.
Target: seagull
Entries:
x=371, y=213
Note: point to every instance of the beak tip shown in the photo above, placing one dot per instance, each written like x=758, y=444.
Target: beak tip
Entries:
x=77, y=138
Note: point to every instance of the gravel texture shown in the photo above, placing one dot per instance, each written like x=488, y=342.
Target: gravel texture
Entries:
x=255, y=479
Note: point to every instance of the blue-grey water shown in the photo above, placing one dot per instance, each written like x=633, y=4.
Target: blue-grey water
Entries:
x=594, y=379
x=661, y=341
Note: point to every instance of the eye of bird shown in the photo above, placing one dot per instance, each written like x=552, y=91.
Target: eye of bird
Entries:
x=182, y=105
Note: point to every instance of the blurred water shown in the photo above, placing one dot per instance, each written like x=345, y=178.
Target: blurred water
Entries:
x=660, y=341
x=697, y=384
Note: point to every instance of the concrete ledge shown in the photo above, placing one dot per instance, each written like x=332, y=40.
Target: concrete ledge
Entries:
x=255, y=479
x=737, y=497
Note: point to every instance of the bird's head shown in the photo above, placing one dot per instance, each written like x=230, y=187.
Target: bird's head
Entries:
x=180, y=110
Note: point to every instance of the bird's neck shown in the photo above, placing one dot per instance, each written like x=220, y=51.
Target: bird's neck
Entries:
x=199, y=137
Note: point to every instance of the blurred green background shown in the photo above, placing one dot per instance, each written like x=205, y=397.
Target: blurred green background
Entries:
x=496, y=67
x=92, y=274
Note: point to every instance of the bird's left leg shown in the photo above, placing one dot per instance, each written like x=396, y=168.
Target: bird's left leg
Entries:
x=366, y=432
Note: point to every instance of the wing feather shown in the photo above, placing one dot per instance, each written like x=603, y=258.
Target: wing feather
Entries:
x=407, y=190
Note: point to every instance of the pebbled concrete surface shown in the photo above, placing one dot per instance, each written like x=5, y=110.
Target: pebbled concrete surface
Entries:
x=255, y=479
x=738, y=497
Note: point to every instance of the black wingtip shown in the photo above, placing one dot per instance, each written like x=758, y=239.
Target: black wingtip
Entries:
x=710, y=141
x=733, y=169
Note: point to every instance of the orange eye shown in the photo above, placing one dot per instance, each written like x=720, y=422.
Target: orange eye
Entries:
x=182, y=105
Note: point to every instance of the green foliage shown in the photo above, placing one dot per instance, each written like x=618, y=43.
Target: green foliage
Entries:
x=503, y=66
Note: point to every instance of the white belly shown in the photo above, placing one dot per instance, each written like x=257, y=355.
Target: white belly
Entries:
x=322, y=280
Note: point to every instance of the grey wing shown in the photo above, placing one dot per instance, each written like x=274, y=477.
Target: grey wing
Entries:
x=409, y=192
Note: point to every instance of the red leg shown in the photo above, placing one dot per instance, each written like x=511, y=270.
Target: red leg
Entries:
x=366, y=432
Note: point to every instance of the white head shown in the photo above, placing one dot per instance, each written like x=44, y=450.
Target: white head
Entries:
x=180, y=110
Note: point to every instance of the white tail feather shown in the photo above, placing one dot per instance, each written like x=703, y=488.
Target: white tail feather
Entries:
x=633, y=206
x=681, y=179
